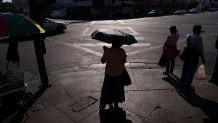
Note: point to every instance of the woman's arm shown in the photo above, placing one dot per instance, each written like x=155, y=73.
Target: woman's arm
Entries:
x=202, y=59
x=201, y=49
x=103, y=60
x=164, y=46
x=124, y=61
x=165, y=43
x=125, y=56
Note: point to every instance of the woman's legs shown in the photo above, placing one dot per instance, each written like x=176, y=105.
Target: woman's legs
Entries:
x=102, y=106
x=110, y=106
x=172, y=62
x=116, y=105
x=167, y=66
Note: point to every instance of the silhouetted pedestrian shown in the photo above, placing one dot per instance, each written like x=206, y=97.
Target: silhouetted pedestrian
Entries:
x=195, y=42
x=170, y=49
x=113, y=89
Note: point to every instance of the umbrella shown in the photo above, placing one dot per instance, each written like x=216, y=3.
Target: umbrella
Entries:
x=15, y=25
x=113, y=36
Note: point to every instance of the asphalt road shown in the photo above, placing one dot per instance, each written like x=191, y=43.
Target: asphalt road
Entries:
x=75, y=48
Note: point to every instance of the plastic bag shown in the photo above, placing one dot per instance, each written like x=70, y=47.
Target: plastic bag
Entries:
x=201, y=73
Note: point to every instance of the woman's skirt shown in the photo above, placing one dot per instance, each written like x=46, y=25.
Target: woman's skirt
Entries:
x=112, y=90
x=171, y=52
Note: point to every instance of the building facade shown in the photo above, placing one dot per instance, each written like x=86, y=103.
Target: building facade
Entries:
x=92, y=9
x=21, y=6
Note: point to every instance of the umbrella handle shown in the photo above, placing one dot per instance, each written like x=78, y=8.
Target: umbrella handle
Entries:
x=105, y=48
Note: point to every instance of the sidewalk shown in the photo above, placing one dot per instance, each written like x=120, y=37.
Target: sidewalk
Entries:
x=152, y=97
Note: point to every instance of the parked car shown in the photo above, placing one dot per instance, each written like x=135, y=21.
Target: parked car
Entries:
x=213, y=9
x=155, y=13
x=6, y=13
x=194, y=10
x=52, y=26
x=181, y=12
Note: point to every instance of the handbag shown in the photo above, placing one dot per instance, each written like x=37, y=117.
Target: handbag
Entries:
x=201, y=73
x=162, y=61
x=126, y=78
x=190, y=54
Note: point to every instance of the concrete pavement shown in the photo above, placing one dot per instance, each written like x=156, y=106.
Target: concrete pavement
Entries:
x=152, y=97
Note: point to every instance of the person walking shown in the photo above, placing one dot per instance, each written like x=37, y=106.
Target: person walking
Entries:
x=170, y=49
x=195, y=42
x=113, y=89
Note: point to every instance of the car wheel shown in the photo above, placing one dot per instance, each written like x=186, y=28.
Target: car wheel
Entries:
x=60, y=29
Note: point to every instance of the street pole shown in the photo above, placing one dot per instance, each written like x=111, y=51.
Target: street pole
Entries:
x=37, y=14
x=214, y=78
x=40, y=61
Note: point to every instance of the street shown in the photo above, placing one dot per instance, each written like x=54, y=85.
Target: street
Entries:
x=75, y=48
x=76, y=73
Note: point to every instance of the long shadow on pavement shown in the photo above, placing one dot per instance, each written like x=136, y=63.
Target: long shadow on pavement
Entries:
x=209, y=107
x=113, y=116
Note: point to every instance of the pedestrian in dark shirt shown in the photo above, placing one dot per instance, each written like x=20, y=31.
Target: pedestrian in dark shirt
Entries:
x=170, y=49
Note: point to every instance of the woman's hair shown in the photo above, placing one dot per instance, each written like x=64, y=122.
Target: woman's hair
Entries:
x=117, y=44
x=197, y=29
x=173, y=29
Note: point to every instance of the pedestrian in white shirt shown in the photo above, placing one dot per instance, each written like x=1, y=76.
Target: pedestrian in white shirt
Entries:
x=189, y=68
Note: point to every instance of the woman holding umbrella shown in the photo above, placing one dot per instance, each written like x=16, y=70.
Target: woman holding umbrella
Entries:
x=113, y=88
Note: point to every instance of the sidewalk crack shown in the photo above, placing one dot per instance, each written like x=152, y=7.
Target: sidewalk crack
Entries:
x=134, y=78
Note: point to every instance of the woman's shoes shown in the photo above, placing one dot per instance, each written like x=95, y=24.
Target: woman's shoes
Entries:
x=166, y=73
x=171, y=71
x=116, y=105
x=110, y=107
x=102, y=108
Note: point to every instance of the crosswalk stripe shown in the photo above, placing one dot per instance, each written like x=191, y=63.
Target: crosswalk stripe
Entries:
x=133, y=31
x=85, y=31
x=139, y=38
x=106, y=44
x=121, y=21
x=93, y=22
x=88, y=37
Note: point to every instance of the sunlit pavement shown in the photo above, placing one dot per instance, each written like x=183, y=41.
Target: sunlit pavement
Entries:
x=152, y=97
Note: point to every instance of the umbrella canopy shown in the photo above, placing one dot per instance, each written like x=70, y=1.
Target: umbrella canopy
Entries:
x=113, y=36
x=14, y=25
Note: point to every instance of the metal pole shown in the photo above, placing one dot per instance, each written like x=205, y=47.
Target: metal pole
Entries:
x=37, y=14
x=41, y=62
x=214, y=78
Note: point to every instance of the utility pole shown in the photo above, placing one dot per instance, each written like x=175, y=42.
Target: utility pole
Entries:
x=214, y=78
x=37, y=13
